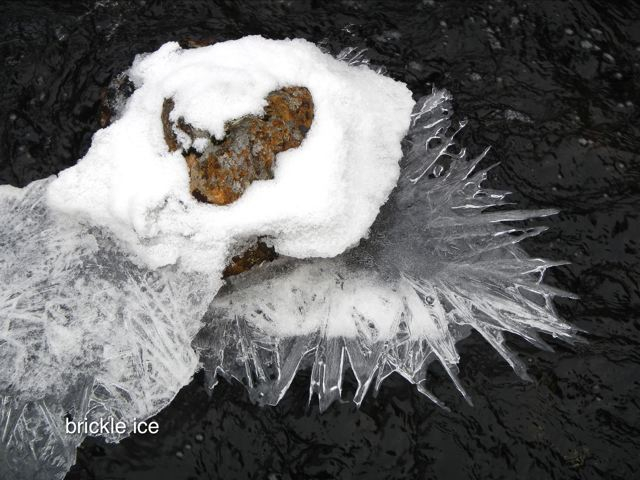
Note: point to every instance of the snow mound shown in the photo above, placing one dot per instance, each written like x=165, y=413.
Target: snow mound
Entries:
x=325, y=194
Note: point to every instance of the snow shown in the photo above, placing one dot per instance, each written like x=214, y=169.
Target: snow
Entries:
x=325, y=194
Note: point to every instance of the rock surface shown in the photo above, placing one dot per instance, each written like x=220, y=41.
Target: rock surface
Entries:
x=222, y=170
x=255, y=255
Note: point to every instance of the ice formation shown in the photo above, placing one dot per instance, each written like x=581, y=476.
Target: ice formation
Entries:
x=325, y=194
x=84, y=332
x=109, y=271
x=435, y=266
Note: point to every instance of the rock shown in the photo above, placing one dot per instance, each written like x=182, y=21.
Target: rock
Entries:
x=255, y=255
x=113, y=98
x=224, y=169
x=196, y=42
x=220, y=172
x=169, y=136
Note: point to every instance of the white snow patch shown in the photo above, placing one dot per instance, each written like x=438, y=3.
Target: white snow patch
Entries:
x=325, y=194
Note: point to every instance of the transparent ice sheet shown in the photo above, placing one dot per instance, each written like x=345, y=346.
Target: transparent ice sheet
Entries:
x=84, y=332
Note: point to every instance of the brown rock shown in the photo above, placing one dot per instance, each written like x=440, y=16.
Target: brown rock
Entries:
x=197, y=42
x=224, y=169
x=113, y=99
x=169, y=136
x=251, y=257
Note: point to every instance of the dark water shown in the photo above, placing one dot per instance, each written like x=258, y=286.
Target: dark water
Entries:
x=552, y=85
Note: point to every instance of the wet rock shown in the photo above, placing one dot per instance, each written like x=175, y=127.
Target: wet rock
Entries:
x=197, y=42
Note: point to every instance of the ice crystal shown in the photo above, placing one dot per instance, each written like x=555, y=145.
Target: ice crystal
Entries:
x=441, y=259
x=84, y=332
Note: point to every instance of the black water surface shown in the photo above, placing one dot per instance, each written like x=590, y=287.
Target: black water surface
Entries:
x=551, y=85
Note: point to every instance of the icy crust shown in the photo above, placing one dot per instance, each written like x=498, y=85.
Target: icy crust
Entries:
x=84, y=332
x=325, y=195
x=435, y=266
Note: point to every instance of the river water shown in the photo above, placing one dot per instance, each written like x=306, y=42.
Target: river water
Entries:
x=551, y=85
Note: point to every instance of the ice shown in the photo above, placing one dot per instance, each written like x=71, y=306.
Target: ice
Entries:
x=108, y=273
x=325, y=194
x=435, y=266
x=107, y=270
x=84, y=331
